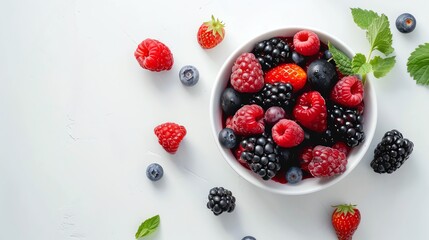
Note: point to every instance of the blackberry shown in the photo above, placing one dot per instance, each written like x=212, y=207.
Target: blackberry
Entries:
x=220, y=200
x=327, y=138
x=391, y=152
x=261, y=155
x=276, y=94
x=345, y=125
x=271, y=53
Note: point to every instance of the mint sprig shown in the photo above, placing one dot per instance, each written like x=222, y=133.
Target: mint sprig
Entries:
x=148, y=226
x=418, y=64
x=380, y=39
x=343, y=62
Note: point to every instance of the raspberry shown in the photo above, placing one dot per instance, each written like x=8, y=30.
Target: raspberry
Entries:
x=247, y=75
x=310, y=111
x=237, y=153
x=287, y=73
x=170, y=135
x=153, y=55
x=327, y=162
x=342, y=147
x=348, y=92
x=287, y=133
x=228, y=122
x=248, y=120
x=305, y=157
x=306, y=43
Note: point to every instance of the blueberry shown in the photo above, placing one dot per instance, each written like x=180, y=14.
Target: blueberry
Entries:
x=322, y=76
x=189, y=75
x=406, y=23
x=227, y=138
x=298, y=59
x=248, y=238
x=294, y=175
x=154, y=172
x=327, y=54
x=230, y=101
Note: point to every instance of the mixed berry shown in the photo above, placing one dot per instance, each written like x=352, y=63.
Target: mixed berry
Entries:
x=287, y=111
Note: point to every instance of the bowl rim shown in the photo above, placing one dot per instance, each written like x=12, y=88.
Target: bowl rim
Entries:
x=214, y=105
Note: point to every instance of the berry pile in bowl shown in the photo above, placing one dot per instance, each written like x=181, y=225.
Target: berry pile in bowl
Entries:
x=285, y=118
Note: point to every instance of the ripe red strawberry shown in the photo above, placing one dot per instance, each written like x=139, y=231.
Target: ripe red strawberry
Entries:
x=310, y=111
x=153, y=55
x=287, y=73
x=287, y=133
x=247, y=75
x=348, y=92
x=170, y=135
x=305, y=157
x=306, y=43
x=327, y=162
x=345, y=220
x=341, y=147
x=211, y=33
x=248, y=120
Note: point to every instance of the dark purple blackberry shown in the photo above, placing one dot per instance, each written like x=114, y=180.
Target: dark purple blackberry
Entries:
x=276, y=94
x=391, y=152
x=261, y=155
x=345, y=125
x=271, y=53
x=220, y=200
x=327, y=138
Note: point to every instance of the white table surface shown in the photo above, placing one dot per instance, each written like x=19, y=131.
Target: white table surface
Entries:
x=77, y=119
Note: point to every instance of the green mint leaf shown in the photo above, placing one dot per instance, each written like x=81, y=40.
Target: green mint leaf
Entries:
x=148, y=226
x=382, y=66
x=363, y=18
x=343, y=62
x=418, y=64
x=359, y=65
x=380, y=36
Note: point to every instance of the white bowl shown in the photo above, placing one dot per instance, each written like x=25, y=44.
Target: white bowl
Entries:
x=307, y=185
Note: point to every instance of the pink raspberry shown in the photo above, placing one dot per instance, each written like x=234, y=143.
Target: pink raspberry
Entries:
x=305, y=158
x=310, y=111
x=247, y=75
x=287, y=133
x=327, y=162
x=248, y=120
x=306, y=43
x=342, y=147
x=348, y=92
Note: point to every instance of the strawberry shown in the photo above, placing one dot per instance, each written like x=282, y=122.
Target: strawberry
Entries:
x=170, y=135
x=287, y=133
x=348, y=92
x=247, y=75
x=306, y=43
x=287, y=73
x=248, y=120
x=345, y=220
x=211, y=33
x=310, y=111
x=153, y=55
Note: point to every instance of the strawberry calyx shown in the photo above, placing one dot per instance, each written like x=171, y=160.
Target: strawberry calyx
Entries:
x=345, y=209
x=215, y=26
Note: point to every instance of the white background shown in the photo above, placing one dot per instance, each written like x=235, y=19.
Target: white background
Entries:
x=77, y=115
